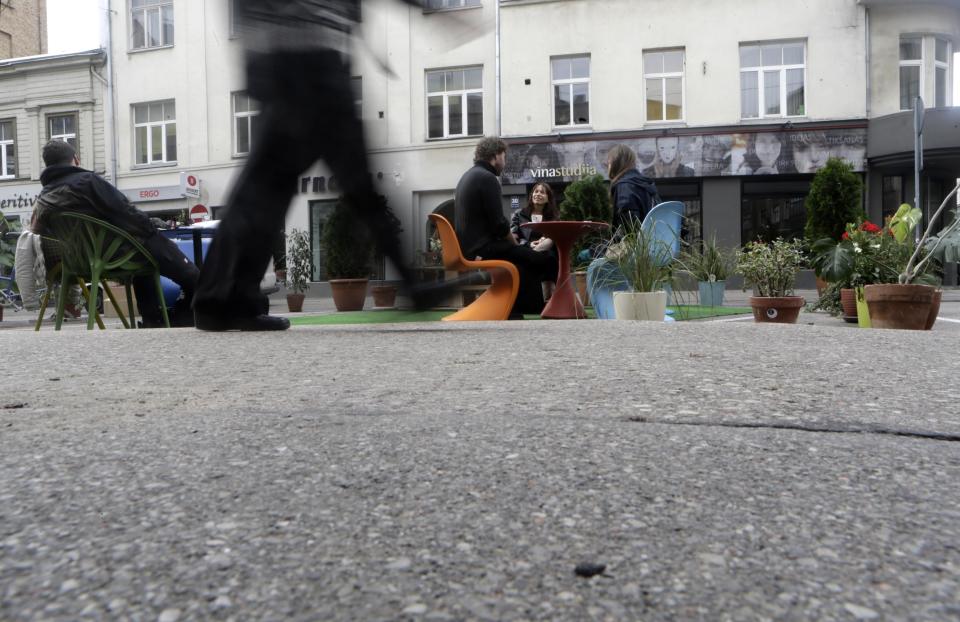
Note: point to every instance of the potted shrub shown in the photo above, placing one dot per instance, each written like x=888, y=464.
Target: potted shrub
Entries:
x=586, y=199
x=647, y=267
x=385, y=294
x=833, y=201
x=299, y=264
x=347, y=257
x=772, y=269
x=710, y=265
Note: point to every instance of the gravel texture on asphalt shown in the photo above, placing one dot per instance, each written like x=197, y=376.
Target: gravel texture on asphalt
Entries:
x=451, y=472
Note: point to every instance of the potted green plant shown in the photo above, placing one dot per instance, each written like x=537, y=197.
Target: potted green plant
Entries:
x=772, y=269
x=347, y=257
x=385, y=294
x=710, y=265
x=913, y=300
x=833, y=201
x=299, y=265
x=586, y=199
x=647, y=267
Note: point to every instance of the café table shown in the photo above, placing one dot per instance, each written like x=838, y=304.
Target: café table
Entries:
x=564, y=304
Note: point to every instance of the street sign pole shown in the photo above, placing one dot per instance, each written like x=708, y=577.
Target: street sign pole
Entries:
x=918, y=162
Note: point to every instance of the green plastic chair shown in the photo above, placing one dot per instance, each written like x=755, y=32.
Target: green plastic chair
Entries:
x=92, y=250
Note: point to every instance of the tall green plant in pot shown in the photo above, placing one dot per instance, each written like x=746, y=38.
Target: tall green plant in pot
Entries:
x=835, y=199
x=772, y=270
x=710, y=264
x=299, y=264
x=646, y=264
x=347, y=257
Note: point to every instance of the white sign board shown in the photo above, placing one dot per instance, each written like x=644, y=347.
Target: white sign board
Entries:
x=190, y=185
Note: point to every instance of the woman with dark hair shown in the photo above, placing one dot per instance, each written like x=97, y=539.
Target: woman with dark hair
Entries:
x=631, y=193
x=541, y=205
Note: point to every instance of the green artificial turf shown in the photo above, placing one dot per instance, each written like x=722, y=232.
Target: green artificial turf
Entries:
x=390, y=316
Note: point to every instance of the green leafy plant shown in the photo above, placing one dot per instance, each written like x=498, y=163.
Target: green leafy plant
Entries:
x=707, y=261
x=587, y=199
x=346, y=244
x=771, y=268
x=645, y=262
x=833, y=201
x=299, y=260
x=8, y=249
x=930, y=247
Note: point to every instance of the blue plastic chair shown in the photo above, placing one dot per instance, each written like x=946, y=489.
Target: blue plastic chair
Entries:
x=664, y=221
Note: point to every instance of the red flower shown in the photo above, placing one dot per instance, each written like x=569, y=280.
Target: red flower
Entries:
x=845, y=236
x=869, y=227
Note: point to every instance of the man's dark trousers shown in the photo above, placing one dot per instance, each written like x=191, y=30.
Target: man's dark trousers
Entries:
x=534, y=267
x=307, y=114
x=175, y=266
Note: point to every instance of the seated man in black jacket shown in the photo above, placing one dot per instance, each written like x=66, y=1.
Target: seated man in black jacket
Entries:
x=484, y=232
x=105, y=202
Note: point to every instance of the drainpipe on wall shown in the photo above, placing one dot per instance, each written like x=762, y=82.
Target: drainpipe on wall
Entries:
x=497, y=63
x=866, y=56
x=110, y=104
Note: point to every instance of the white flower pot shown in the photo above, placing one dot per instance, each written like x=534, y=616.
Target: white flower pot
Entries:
x=651, y=306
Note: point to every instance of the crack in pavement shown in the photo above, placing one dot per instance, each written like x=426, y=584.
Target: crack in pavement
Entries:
x=933, y=436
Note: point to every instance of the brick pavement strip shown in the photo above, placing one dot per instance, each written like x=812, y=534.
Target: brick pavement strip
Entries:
x=719, y=471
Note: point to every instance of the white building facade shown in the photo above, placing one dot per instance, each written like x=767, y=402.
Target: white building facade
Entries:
x=730, y=105
x=44, y=98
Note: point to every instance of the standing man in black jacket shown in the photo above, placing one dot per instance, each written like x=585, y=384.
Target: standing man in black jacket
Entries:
x=484, y=232
x=296, y=69
x=105, y=202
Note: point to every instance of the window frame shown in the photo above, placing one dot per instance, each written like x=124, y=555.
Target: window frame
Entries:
x=663, y=77
x=248, y=115
x=554, y=82
x=761, y=71
x=4, y=156
x=158, y=6
x=945, y=65
x=447, y=94
x=428, y=9
x=76, y=127
x=149, y=125
x=918, y=63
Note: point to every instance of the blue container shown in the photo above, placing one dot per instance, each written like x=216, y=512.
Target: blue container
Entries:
x=711, y=294
x=183, y=238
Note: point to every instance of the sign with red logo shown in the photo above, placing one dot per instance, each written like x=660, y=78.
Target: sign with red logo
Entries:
x=190, y=185
x=199, y=213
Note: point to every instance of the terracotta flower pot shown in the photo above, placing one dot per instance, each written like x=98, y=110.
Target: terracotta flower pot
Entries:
x=848, y=300
x=384, y=296
x=821, y=285
x=349, y=294
x=295, y=302
x=899, y=306
x=934, y=309
x=580, y=277
x=780, y=310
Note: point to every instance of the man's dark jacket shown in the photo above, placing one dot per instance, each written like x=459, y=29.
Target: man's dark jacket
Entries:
x=633, y=196
x=479, y=209
x=97, y=198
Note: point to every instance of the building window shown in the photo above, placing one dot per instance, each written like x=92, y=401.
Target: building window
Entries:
x=772, y=79
x=155, y=132
x=440, y=5
x=911, y=71
x=151, y=23
x=663, y=80
x=941, y=67
x=246, y=112
x=356, y=85
x=234, y=18
x=571, y=90
x=892, y=195
x=63, y=127
x=8, y=149
x=772, y=209
x=455, y=103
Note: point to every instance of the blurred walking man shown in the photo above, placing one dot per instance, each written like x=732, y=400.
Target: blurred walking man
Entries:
x=296, y=69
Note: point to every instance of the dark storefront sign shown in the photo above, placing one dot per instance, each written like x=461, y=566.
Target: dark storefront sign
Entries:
x=706, y=155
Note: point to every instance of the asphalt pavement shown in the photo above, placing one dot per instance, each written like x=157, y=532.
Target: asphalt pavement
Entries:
x=717, y=470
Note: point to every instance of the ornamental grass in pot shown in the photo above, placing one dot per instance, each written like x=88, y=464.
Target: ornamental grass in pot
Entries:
x=646, y=265
x=710, y=265
x=771, y=269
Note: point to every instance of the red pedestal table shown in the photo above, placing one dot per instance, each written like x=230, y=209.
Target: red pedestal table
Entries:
x=564, y=304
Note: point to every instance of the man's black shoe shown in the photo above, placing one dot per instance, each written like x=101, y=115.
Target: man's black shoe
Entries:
x=248, y=323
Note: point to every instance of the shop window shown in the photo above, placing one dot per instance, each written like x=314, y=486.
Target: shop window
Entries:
x=772, y=79
x=770, y=210
x=892, y=194
x=688, y=194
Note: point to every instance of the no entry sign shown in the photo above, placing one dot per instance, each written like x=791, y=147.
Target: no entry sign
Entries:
x=199, y=213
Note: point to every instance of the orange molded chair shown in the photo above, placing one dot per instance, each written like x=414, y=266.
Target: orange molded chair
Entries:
x=497, y=301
